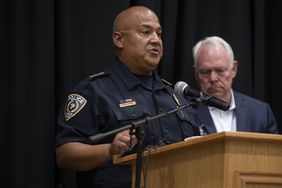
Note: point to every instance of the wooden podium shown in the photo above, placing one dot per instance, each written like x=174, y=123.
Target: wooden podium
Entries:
x=220, y=160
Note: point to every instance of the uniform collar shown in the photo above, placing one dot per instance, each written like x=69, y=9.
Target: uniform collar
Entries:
x=130, y=80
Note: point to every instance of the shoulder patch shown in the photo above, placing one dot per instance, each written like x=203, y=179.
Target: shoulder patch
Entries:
x=98, y=75
x=74, y=104
x=167, y=82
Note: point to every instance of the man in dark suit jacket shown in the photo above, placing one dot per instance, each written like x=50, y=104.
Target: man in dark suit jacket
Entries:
x=215, y=69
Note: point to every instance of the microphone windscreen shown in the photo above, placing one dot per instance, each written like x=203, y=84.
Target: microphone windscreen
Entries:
x=179, y=87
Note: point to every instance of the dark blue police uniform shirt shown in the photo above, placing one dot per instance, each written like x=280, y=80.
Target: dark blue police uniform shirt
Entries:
x=112, y=100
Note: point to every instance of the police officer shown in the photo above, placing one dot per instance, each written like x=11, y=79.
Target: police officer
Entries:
x=127, y=91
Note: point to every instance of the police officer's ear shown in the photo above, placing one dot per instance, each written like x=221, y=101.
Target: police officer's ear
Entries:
x=118, y=39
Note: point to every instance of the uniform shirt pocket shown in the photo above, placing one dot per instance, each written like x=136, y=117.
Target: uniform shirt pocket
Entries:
x=129, y=114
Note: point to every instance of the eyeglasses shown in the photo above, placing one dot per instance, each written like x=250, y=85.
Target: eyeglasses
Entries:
x=221, y=72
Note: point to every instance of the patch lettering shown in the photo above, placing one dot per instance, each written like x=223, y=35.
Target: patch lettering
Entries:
x=74, y=104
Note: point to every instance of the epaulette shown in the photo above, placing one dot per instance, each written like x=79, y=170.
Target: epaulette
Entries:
x=99, y=75
x=167, y=82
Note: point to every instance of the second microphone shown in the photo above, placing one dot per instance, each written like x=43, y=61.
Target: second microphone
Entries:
x=183, y=88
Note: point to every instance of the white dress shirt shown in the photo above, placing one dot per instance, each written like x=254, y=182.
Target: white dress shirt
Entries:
x=224, y=120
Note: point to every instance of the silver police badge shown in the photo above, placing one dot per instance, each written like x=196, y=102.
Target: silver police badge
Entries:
x=74, y=104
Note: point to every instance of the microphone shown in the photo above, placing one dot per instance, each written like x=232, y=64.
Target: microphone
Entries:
x=182, y=88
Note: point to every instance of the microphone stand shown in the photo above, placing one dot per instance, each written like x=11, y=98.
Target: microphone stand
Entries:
x=139, y=127
x=138, y=165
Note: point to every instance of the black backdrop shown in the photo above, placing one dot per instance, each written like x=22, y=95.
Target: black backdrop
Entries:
x=47, y=47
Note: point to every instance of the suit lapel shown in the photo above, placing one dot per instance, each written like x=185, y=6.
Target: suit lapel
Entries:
x=205, y=118
x=241, y=112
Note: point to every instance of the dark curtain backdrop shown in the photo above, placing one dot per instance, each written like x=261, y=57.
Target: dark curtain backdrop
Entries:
x=48, y=46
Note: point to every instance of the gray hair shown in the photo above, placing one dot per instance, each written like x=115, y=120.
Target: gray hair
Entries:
x=216, y=41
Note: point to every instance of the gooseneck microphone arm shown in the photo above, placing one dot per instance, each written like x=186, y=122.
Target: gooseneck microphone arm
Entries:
x=97, y=138
x=138, y=126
